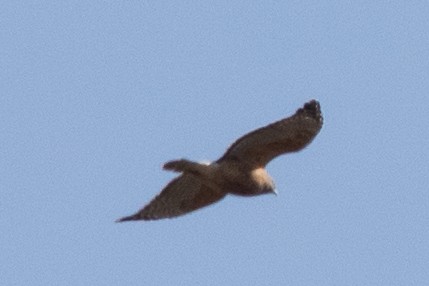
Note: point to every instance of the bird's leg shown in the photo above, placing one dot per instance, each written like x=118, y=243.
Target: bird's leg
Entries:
x=184, y=165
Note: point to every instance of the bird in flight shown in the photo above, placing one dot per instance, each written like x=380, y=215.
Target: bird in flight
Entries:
x=240, y=171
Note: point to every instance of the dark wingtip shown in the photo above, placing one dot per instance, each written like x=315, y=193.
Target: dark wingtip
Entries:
x=127, y=218
x=312, y=108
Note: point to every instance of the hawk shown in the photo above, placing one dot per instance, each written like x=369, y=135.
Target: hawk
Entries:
x=240, y=171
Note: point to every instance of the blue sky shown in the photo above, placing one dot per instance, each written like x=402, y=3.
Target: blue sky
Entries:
x=97, y=95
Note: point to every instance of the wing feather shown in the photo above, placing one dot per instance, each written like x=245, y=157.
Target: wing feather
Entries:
x=182, y=195
x=291, y=134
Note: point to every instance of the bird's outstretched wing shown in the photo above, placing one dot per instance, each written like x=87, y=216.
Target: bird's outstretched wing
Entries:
x=291, y=134
x=182, y=195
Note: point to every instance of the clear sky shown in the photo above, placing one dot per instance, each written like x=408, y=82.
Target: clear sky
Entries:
x=96, y=95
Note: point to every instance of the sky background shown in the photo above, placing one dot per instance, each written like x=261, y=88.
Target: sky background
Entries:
x=96, y=95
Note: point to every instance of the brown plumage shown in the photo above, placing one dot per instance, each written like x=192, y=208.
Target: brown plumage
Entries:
x=240, y=171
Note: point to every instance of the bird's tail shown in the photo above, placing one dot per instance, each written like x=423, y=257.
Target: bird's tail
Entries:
x=183, y=165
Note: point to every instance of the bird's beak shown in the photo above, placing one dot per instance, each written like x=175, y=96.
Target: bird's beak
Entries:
x=275, y=192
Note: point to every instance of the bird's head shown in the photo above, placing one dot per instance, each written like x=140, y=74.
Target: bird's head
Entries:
x=264, y=181
x=269, y=188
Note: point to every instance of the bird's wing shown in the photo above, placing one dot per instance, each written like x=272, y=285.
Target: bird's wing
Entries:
x=182, y=195
x=291, y=134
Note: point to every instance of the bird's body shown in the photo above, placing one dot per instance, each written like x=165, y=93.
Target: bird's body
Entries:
x=230, y=175
x=243, y=180
x=240, y=171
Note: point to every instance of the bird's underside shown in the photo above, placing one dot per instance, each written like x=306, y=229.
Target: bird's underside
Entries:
x=240, y=171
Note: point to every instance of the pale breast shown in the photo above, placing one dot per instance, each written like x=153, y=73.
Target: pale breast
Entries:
x=236, y=179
